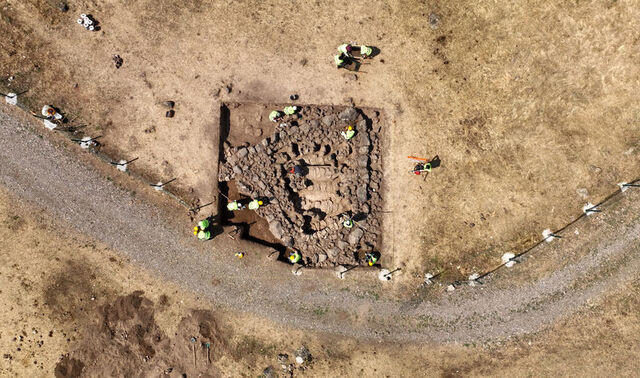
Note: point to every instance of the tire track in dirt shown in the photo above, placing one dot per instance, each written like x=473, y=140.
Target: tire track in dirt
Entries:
x=34, y=169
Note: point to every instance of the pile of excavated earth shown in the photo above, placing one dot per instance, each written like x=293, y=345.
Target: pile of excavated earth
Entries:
x=336, y=179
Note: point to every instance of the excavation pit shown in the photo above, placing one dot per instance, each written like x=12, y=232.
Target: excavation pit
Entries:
x=309, y=177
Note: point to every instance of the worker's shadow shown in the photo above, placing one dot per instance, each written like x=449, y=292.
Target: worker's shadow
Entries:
x=353, y=65
x=435, y=162
x=215, y=225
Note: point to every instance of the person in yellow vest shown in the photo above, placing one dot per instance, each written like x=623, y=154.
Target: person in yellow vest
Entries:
x=289, y=110
x=371, y=258
x=348, y=133
x=275, y=116
x=340, y=60
x=234, y=206
x=255, y=204
x=365, y=51
x=294, y=257
x=239, y=254
x=202, y=230
x=422, y=168
x=345, y=49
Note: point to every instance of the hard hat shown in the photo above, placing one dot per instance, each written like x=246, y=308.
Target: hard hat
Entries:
x=259, y=202
x=370, y=262
x=51, y=111
x=349, y=128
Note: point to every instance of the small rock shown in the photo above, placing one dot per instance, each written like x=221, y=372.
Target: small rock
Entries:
x=243, y=152
x=583, y=192
x=349, y=114
x=322, y=257
x=169, y=104
x=327, y=120
x=303, y=355
x=355, y=236
x=268, y=372
x=118, y=61
x=170, y=113
x=283, y=358
x=276, y=229
x=288, y=241
x=237, y=170
x=595, y=169
x=434, y=20
x=333, y=252
x=361, y=193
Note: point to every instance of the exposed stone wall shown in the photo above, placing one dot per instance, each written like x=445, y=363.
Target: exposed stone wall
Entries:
x=339, y=177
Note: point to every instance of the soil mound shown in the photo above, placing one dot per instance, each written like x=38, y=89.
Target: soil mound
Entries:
x=124, y=340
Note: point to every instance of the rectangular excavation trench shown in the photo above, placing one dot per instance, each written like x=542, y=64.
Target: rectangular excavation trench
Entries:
x=335, y=179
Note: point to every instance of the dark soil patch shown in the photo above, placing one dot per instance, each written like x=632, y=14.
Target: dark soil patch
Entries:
x=124, y=340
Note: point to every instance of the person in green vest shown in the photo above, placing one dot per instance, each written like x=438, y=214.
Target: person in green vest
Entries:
x=371, y=258
x=365, y=51
x=348, y=133
x=255, y=204
x=289, y=110
x=275, y=116
x=345, y=49
x=294, y=257
x=340, y=60
x=234, y=206
x=348, y=223
x=202, y=230
x=421, y=168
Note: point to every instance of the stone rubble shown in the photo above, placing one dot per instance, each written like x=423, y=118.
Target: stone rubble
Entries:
x=339, y=177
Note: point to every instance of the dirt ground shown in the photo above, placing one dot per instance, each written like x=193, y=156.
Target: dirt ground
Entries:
x=531, y=106
x=73, y=307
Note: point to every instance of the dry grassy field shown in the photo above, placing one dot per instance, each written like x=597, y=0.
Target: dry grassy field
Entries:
x=532, y=108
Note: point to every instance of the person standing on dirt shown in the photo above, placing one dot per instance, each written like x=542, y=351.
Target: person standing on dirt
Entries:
x=348, y=223
x=365, y=51
x=346, y=50
x=341, y=60
x=371, y=258
x=290, y=110
x=421, y=168
x=275, y=116
x=348, y=133
x=202, y=230
x=255, y=204
x=294, y=257
x=234, y=206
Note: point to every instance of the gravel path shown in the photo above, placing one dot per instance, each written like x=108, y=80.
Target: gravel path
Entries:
x=32, y=168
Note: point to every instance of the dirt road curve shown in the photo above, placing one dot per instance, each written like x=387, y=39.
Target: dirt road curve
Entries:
x=35, y=170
